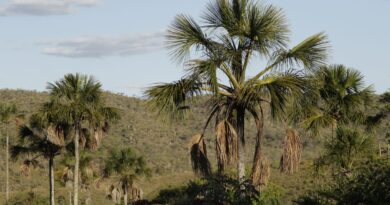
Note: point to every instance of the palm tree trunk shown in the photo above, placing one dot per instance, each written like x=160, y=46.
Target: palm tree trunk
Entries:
x=125, y=196
x=7, y=169
x=76, y=168
x=241, y=144
x=51, y=175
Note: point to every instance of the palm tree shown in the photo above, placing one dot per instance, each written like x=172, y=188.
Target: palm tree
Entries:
x=41, y=139
x=350, y=147
x=78, y=101
x=127, y=166
x=87, y=172
x=8, y=114
x=235, y=33
x=339, y=99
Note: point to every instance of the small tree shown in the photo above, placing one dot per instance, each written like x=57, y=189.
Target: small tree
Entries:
x=125, y=167
x=41, y=139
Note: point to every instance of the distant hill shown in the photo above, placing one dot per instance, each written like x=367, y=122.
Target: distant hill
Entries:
x=164, y=145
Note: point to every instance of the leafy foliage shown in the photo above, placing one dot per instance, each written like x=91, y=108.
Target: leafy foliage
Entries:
x=368, y=185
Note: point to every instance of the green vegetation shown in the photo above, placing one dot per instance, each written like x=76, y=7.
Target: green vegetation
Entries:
x=319, y=126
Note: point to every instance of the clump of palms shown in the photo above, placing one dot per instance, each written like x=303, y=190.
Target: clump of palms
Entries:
x=125, y=167
x=234, y=34
x=40, y=138
x=8, y=114
x=77, y=99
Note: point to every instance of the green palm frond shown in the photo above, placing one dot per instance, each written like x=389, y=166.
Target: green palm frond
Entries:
x=225, y=14
x=310, y=53
x=7, y=111
x=205, y=71
x=267, y=28
x=275, y=89
x=170, y=98
x=183, y=35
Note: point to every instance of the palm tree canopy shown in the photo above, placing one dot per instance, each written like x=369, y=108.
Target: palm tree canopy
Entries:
x=40, y=138
x=339, y=97
x=127, y=165
x=234, y=33
x=77, y=100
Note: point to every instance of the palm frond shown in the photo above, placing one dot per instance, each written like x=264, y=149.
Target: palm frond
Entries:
x=200, y=162
x=183, y=35
x=226, y=144
x=267, y=28
x=310, y=53
x=171, y=98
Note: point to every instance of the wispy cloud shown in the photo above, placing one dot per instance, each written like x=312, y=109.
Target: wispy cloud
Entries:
x=43, y=7
x=98, y=47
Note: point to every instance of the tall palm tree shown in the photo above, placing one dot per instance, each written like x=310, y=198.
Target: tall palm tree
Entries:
x=8, y=114
x=41, y=139
x=234, y=33
x=78, y=101
x=125, y=167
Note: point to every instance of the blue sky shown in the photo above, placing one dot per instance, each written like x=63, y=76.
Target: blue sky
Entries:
x=120, y=41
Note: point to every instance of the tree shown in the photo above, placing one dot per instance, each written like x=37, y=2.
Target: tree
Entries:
x=349, y=147
x=127, y=166
x=234, y=34
x=8, y=114
x=41, y=139
x=78, y=101
x=339, y=99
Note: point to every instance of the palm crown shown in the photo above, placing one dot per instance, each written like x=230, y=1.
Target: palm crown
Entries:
x=234, y=33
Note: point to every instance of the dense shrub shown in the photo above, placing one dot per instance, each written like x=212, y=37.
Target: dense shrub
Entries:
x=367, y=185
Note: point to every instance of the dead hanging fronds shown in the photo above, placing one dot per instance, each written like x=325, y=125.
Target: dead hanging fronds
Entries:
x=289, y=162
x=261, y=170
x=200, y=162
x=56, y=135
x=67, y=177
x=226, y=144
x=95, y=141
x=25, y=168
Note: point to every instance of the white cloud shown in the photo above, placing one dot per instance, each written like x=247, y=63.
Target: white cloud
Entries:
x=43, y=7
x=98, y=47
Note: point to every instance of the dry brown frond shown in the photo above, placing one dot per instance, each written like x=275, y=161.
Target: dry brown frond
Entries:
x=261, y=170
x=200, y=162
x=25, y=169
x=56, y=136
x=289, y=162
x=226, y=144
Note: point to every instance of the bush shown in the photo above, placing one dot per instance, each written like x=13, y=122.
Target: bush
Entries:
x=369, y=184
x=213, y=190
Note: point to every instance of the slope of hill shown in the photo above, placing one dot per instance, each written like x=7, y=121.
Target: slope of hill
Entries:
x=164, y=145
